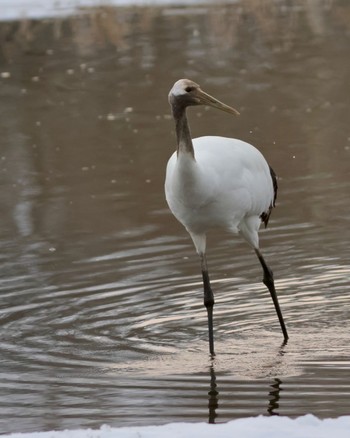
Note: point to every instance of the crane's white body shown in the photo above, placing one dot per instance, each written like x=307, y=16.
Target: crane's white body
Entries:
x=226, y=184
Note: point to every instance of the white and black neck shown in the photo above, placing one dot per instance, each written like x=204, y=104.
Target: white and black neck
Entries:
x=183, y=133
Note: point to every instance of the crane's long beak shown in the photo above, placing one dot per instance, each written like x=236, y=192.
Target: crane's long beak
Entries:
x=206, y=99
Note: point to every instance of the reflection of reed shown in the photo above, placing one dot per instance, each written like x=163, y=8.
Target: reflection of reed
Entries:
x=101, y=27
x=98, y=28
x=277, y=24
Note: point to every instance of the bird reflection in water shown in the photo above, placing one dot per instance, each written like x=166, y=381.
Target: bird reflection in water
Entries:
x=213, y=402
x=273, y=394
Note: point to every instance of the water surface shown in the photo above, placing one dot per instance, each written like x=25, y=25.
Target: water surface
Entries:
x=101, y=317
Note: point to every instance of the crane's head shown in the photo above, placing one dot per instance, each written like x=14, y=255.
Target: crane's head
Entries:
x=187, y=93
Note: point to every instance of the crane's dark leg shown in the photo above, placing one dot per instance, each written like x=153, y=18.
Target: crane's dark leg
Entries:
x=270, y=284
x=208, y=302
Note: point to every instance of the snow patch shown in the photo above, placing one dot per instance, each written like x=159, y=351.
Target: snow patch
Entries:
x=307, y=426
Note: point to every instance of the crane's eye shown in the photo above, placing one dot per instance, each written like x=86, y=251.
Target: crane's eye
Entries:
x=189, y=89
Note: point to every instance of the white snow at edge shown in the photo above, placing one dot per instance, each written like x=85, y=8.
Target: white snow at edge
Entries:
x=307, y=426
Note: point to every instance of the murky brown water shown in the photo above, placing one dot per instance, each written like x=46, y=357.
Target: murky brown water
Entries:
x=101, y=316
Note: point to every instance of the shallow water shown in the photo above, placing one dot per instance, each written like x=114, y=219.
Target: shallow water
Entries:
x=101, y=317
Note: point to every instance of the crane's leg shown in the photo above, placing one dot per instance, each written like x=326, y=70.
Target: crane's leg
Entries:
x=270, y=284
x=208, y=301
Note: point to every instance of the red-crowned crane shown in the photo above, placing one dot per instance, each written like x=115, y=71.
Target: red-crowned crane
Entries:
x=218, y=182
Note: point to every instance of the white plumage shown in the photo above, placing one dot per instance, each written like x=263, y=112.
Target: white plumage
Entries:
x=227, y=185
x=217, y=182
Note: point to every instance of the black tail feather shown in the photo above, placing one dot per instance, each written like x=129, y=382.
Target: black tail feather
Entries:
x=265, y=216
